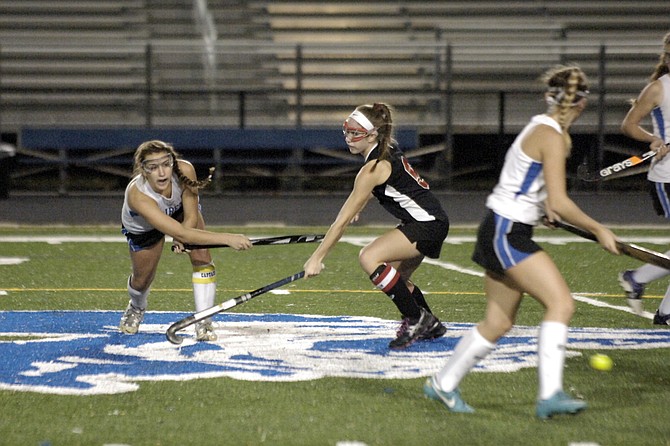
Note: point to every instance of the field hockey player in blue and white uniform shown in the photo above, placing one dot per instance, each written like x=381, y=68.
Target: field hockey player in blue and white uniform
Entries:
x=532, y=184
x=653, y=101
x=390, y=259
x=162, y=199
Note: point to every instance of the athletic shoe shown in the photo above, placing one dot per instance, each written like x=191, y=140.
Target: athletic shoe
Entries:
x=436, y=331
x=204, y=331
x=452, y=399
x=634, y=290
x=131, y=319
x=412, y=330
x=661, y=320
x=559, y=403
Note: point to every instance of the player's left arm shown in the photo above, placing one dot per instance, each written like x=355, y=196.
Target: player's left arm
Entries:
x=558, y=203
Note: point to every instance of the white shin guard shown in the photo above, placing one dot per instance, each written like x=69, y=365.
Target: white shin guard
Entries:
x=204, y=286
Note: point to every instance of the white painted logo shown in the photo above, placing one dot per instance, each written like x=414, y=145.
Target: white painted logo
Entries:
x=83, y=353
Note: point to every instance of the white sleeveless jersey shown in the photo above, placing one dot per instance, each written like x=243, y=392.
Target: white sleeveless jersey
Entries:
x=520, y=193
x=134, y=222
x=660, y=118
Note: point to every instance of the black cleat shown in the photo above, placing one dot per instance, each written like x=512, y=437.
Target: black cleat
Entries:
x=413, y=330
x=661, y=319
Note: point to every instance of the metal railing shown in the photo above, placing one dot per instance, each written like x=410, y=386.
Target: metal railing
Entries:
x=439, y=88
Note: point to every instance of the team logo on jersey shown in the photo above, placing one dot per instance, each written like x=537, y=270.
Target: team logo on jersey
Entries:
x=83, y=353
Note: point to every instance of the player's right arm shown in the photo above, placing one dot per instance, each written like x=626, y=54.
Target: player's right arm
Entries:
x=370, y=175
x=649, y=98
x=149, y=209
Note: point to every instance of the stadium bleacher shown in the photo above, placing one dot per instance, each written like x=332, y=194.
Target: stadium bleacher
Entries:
x=307, y=63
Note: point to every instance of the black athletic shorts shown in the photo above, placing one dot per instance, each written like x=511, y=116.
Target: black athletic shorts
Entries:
x=138, y=242
x=503, y=243
x=428, y=235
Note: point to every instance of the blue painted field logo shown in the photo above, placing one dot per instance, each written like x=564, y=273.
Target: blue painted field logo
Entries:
x=82, y=353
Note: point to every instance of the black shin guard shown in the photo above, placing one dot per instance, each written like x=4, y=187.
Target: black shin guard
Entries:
x=387, y=279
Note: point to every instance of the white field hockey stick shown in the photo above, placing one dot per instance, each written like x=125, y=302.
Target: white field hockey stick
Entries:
x=616, y=170
x=171, y=332
x=281, y=240
x=630, y=249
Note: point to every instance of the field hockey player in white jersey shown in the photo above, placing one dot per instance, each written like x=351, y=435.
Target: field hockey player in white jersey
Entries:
x=162, y=199
x=532, y=184
x=390, y=259
x=653, y=101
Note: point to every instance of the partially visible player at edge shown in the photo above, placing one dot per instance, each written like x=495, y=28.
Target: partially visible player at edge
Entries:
x=390, y=259
x=532, y=184
x=653, y=101
x=162, y=198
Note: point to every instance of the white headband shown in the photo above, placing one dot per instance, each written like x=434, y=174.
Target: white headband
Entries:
x=362, y=120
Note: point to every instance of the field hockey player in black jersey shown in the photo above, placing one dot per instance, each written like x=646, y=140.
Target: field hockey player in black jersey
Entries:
x=390, y=259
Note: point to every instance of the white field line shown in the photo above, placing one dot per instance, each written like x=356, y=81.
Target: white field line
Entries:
x=356, y=241
x=362, y=241
x=359, y=241
x=598, y=303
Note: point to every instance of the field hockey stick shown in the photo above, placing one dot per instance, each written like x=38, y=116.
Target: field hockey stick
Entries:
x=630, y=249
x=616, y=170
x=281, y=240
x=171, y=332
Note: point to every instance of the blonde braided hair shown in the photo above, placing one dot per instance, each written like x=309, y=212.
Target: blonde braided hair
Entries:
x=563, y=83
x=565, y=105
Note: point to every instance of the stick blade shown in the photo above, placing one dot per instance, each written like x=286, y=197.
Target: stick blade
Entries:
x=584, y=174
x=630, y=166
x=171, y=335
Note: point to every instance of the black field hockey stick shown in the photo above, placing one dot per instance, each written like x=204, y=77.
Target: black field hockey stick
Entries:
x=171, y=332
x=281, y=240
x=617, y=170
x=630, y=249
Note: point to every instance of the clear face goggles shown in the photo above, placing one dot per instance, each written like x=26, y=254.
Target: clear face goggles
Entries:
x=354, y=134
x=150, y=166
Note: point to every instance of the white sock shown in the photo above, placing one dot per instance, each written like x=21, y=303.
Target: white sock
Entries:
x=648, y=273
x=551, y=344
x=204, y=286
x=664, y=307
x=471, y=349
x=138, y=298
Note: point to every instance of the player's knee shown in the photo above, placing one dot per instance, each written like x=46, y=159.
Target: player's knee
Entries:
x=200, y=257
x=367, y=261
x=493, y=330
x=562, y=310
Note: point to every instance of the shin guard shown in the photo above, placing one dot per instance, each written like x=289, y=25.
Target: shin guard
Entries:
x=204, y=286
x=387, y=279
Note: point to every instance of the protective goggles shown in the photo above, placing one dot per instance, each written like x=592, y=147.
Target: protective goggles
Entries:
x=150, y=166
x=354, y=134
x=560, y=92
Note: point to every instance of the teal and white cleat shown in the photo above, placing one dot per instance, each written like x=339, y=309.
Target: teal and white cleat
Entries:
x=452, y=399
x=560, y=403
